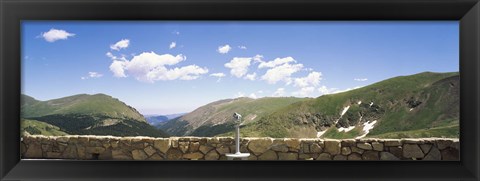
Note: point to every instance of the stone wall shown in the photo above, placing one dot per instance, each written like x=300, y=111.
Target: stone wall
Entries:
x=197, y=148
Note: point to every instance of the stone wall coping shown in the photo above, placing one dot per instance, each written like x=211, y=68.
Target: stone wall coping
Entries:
x=407, y=140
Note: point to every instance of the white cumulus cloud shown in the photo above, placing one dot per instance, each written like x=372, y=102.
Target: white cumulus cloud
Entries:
x=242, y=47
x=360, y=79
x=218, y=75
x=312, y=79
x=345, y=90
x=224, y=49
x=279, y=92
x=281, y=73
x=239, y=66
x=122, y=44
x=118, y=68
x=173, y=45
x=239, y=94
x=323, y=90
x=251, y=76
x=276, y=62
x=92, y=75
x=304, y=92
x=55, y=34
x=151, y=67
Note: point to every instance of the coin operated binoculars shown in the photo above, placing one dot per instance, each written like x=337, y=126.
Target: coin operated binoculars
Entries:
x=238, y=121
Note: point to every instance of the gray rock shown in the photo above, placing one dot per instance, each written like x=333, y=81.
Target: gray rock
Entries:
x=396, y=150
x=412, y=151
x=332, y=147
x=377, y=146
x=434, y=154
x=305, y=148
x=118, y=154
x=156, y=157
x=303, y=156
x=442, y=144
x=324, y=156
x=183, y=146
x=348, y=142
x=340, y=157
x=70, y=152
x=223, y=149
x=370, y=155
x=259, y=146
x=388, y=156
x=268, y=155
x=212, y=155
x=150, y=150
x=315, y=148
x=193, y=156
x=96, y=150
x=54, y=155
x=139, y=155
x=280, y=148
x=174, y=154
x=392, y=142
x=425, y=148
x=357, y=150
x=364, y=146
x=106, y=155
x=354, y=156
x=205, y=149
x=450, y=154
x=162, y=145
x=194, y=146
x=287, y=156
x=293, y=143
x=346, y=150
x=34, y=150
x=413, y=141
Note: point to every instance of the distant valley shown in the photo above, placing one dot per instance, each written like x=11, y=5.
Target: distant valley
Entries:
x=157, y=120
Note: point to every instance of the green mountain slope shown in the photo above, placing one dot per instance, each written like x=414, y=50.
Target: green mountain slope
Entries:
x=215, y=118
x=97, y=114
x=398, y=105
x=80, y=104
x=34, y=127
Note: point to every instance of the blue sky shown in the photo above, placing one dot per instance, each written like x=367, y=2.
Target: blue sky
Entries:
x=163, y=67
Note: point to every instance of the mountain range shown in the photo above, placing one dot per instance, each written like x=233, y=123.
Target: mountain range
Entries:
x=420, y=105
x=82, y=114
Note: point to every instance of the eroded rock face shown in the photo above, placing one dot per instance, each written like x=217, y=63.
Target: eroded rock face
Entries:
x=193, y=148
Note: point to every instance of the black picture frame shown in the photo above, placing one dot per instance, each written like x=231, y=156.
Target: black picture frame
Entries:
x=12, y=12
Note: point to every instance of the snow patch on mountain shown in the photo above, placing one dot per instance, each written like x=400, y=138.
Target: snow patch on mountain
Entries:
x=367, y=126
